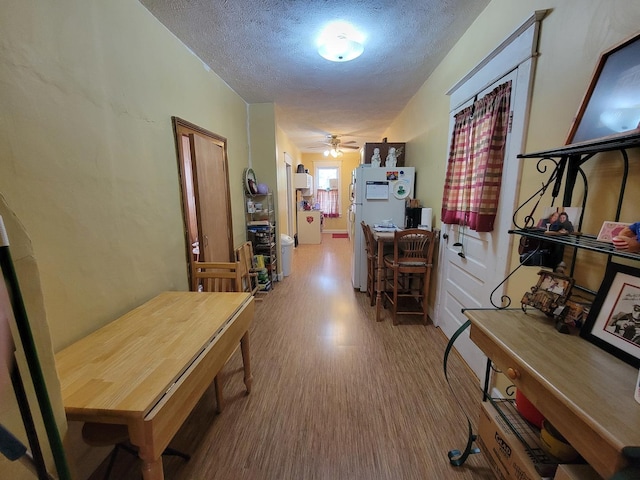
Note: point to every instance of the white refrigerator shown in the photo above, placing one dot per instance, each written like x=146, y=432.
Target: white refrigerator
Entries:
x=378, y=194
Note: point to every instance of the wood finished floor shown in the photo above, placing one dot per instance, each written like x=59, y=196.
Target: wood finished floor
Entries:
x=336, y=395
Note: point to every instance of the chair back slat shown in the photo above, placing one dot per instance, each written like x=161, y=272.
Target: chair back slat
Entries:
x=217, y=276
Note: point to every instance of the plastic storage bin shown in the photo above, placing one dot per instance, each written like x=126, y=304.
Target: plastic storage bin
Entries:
x=286, y=246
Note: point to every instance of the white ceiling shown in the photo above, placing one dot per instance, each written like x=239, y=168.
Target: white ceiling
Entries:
x=265, y=50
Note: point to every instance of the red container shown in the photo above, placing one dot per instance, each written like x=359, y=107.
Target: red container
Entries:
x=527, y=410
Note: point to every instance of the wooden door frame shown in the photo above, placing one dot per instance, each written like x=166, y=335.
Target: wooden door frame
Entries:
x=182, y=127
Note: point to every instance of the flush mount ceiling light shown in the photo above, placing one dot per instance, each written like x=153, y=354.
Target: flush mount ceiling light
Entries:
x=340, y=42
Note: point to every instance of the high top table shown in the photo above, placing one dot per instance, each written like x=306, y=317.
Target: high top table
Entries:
x=149, y=368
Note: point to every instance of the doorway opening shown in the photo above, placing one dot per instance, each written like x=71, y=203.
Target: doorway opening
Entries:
x=206, y=201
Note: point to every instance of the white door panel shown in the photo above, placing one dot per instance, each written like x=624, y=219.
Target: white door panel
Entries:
x=469, y=280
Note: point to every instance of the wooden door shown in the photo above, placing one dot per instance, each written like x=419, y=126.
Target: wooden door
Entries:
x=212, y=199
x=206, y=202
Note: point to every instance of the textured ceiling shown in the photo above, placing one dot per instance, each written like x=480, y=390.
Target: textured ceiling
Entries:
x=265, y=50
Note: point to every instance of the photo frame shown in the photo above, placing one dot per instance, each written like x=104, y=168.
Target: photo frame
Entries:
x=611, y=105
x=573, y=213
x=613, y=323
x=550, y=294
x=610, y=230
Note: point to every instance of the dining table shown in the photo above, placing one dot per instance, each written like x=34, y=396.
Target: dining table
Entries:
x=148, y=368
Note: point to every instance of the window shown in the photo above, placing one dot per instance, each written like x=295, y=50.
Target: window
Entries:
x=328, y=188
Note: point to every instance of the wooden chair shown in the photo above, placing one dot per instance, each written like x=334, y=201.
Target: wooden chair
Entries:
x=248, y=273
x=371, y=246
x=218, y=277
x=372, y=261
x=106, y=434
x=408, y=272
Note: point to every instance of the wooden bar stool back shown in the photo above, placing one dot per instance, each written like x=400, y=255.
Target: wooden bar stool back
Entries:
x=372, y=259
x=408, y=273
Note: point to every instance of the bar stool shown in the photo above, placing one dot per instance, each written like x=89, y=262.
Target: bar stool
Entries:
x=372, y=258
x=408, y=273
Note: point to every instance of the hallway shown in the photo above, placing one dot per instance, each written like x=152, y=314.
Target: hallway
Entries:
x=336, y=395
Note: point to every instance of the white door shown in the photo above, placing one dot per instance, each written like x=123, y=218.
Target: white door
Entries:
x=473, y=263
x=469, y=281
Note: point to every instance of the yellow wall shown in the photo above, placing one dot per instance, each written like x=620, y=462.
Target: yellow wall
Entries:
x=572, y=37
x=284, y=145
x=88, y=156
x=348, y=161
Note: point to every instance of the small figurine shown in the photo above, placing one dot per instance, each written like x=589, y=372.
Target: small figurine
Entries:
x=375, y=158
x=628, y=239
x=391, y=158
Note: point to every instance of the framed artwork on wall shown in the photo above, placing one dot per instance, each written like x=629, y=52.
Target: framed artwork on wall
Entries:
x=611, y=106
x=613, y=322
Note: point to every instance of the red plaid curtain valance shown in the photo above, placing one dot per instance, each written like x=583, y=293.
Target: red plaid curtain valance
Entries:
x=476, y=157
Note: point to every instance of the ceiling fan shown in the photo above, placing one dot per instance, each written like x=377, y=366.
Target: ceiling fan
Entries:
x=337, y=145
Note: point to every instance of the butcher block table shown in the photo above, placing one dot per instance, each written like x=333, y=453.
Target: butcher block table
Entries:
x=149, y=368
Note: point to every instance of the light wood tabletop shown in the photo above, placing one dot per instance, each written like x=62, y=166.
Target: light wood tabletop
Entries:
x=148, y=368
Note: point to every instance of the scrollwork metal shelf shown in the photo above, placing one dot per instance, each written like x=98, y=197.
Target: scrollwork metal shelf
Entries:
x=584, y=242
x=562, y=164
x=589, y=148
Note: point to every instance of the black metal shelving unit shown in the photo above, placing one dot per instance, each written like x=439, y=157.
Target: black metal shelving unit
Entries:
x=261, y=232
x=564, y=168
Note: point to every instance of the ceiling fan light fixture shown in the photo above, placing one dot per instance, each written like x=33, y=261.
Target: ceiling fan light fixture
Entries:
x=334, y=152
x=340, y=43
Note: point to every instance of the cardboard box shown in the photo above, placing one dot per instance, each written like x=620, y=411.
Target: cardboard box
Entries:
x=576, y=472
x=507, y=455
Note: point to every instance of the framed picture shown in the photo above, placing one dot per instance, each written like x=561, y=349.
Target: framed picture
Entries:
x=552, y=221
x=613, y=322
x=610, y=230
x=611, y=106
x=550, y=294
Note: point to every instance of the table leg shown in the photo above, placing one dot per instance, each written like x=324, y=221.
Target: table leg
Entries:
x=151, y=467
x=380, y=279
x=141, y=435
x=244, y=347
x=152, y=470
